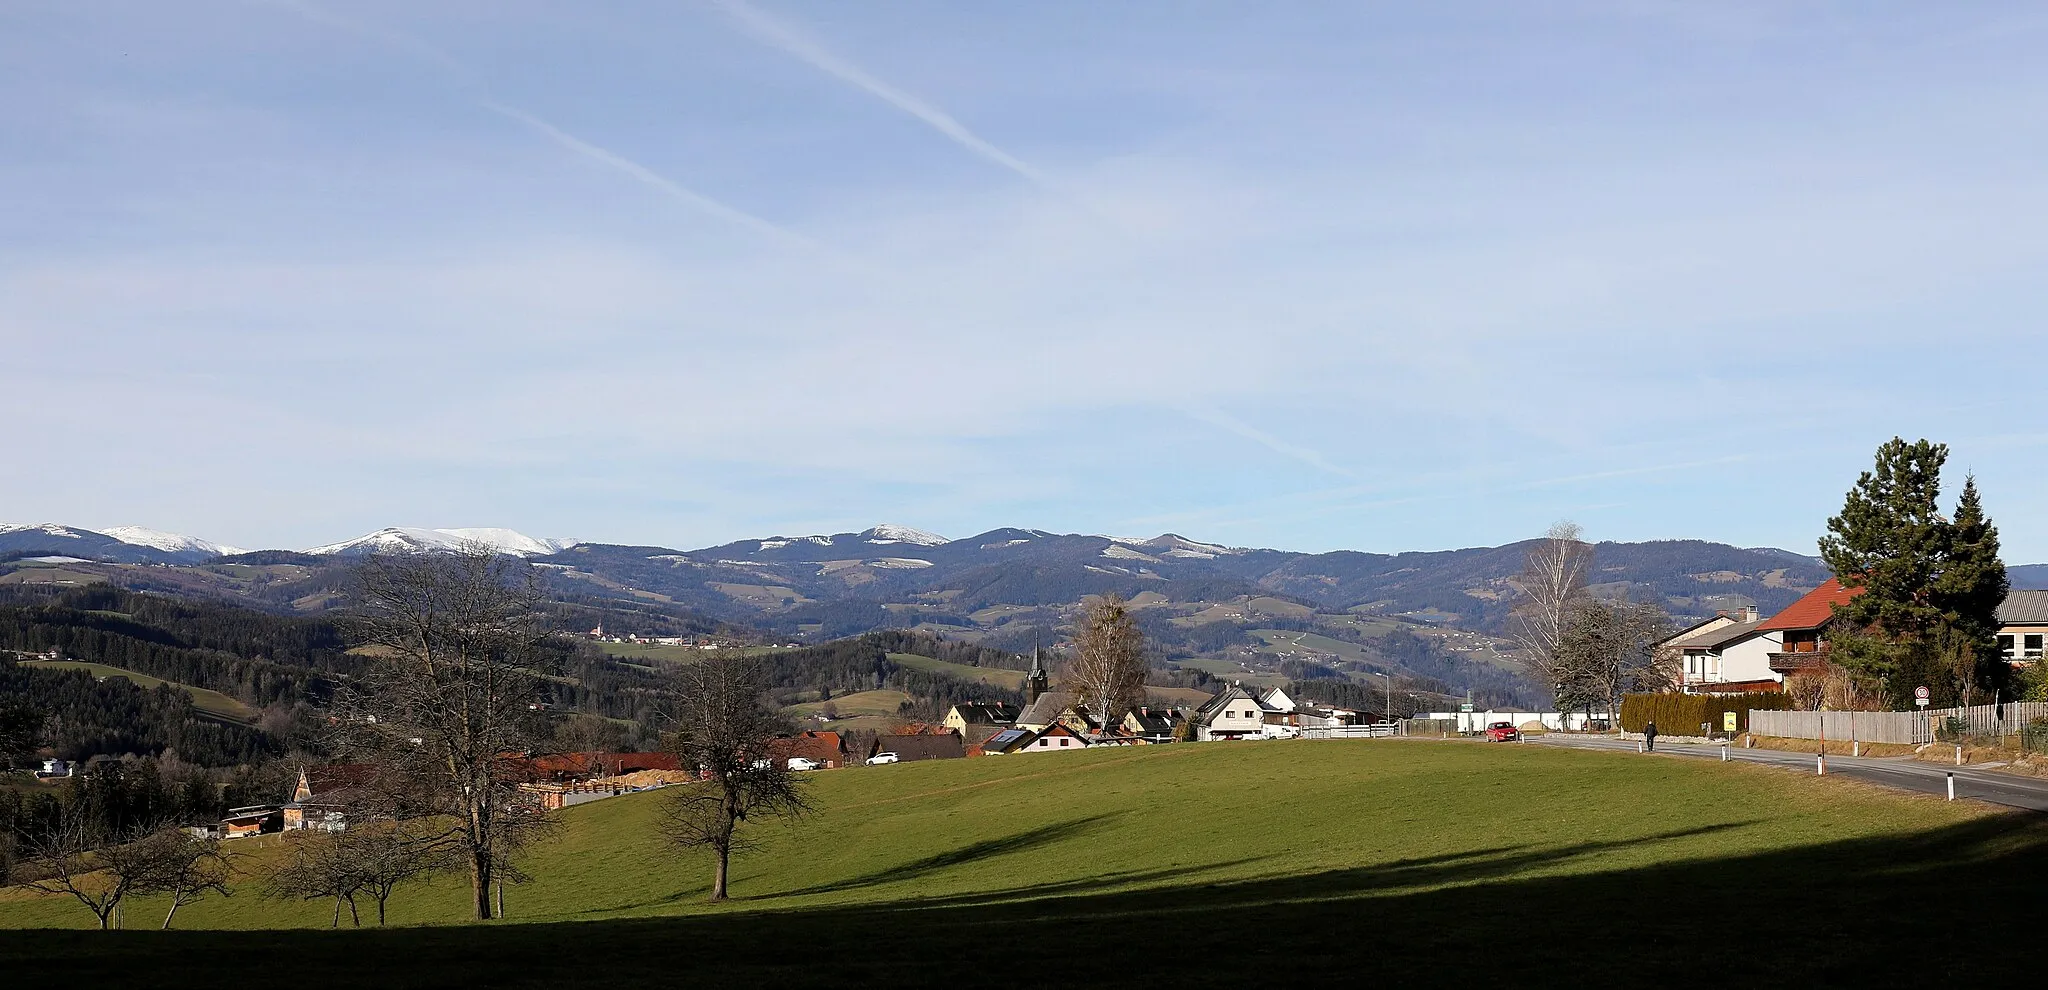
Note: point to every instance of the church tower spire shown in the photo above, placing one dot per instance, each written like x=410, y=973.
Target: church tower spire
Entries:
x=1036, y=682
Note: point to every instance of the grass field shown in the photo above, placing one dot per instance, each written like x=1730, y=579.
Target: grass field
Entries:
x=1012, y=679
x=1208, y=864
x=202, y=699
x=678, y=654
x=1283, y=641
x=881, y=702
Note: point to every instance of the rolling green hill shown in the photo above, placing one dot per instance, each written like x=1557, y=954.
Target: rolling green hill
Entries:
x=1249, y=859
x=202, y=699
x=998, y=676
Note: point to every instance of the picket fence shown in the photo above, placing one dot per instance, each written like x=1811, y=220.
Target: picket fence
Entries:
x=1907, y=728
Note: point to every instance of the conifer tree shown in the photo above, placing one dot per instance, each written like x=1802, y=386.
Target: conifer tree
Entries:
x=1972, y=585
x=1889, y=540
x=1931, y=585
x=1973, y=581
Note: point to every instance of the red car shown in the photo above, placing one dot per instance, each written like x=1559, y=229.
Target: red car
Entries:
x=1502, y=732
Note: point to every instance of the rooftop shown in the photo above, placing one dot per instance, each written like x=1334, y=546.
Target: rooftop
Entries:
x=1811, y=611
x=1719, y=636
x=2024, y=608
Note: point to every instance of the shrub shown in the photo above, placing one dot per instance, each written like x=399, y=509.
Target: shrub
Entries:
x=1681, y=714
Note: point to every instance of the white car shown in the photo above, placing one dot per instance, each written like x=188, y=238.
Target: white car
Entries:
x=804, y=763
x=880, y=758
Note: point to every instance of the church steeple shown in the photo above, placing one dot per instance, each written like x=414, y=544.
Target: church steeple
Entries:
x=1036, y=682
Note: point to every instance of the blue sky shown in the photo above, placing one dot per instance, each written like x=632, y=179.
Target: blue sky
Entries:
x=1309, y=276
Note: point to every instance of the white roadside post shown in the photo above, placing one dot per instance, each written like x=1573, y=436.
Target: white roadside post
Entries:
x=1724, y=752
x=1959, y=756
x=1951, y=785
x=1822, y=765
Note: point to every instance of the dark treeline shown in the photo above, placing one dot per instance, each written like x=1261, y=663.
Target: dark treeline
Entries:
x=1309, y=670
x=86, y=717
x=256, y=657
x=862, y=664
x=586, y=680
x=126, y=796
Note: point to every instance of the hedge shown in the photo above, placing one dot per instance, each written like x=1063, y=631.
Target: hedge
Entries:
x=1681, y=714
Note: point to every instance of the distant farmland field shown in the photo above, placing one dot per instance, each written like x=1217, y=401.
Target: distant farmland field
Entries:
x=202, y=698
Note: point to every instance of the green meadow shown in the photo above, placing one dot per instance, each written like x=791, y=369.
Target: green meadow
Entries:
x=1210, y=862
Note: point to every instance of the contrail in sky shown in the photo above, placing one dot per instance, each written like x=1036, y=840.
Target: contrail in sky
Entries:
x=1267, y=440
x=777, y=34
x=648, y=176
x=465, y=79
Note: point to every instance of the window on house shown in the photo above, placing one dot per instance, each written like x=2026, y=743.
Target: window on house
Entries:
x=2033, y=646
x=1063, y=743
x=2005, y=647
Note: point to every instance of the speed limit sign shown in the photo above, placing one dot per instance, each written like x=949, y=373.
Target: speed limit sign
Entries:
x=1920, y=696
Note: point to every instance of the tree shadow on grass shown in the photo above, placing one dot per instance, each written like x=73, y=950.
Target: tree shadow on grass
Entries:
x=972, y=853
x=1881, y=910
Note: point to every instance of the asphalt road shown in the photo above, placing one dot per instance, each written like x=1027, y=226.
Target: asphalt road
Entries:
x=2010, y=790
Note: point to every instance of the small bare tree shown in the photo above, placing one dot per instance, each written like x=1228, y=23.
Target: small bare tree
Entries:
x=95, y=865
x=1108, y=669
x=448, y=707
x=1552, y=579
x=371, y=860
x=319, y=867
x=184, y=866
x=724, y=733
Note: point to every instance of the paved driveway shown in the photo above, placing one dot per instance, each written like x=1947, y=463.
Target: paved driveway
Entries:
x=2011, y=790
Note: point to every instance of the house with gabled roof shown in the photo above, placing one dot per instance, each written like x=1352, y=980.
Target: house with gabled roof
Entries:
x=1233, y=714
x=1729, y=656
x=971, y=713
x=1803, y=626
x=1156, y=725
x=1054, y=738
x=324, y=796
x=1056, y=708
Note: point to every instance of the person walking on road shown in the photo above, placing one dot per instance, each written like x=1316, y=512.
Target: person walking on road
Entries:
x=1650, y=738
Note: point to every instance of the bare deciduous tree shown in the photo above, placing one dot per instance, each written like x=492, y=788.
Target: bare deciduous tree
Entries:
x=319, y=867
x=1610, y=649
x=449, y=704
x=184, y=866
x=724, y=733
x=370, y=860
x=1552, y=579
x=85, y=860
x=1107, y=673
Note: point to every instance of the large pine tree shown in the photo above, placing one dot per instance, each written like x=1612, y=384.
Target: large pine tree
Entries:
x=1890, y=539
x=1932, y=584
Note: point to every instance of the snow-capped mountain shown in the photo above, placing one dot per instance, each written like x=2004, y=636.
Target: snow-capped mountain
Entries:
x=407, y=539
x=887, y=533
x=46, y=529
x=120, y=545
x=169, y=542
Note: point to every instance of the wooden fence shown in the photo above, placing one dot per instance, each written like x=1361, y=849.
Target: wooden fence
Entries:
x=1906, y=728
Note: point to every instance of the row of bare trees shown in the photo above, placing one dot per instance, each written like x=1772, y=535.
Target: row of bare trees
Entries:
x=101, y=869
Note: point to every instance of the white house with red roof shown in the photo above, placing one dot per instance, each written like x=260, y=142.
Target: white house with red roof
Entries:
x=1802, y=628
